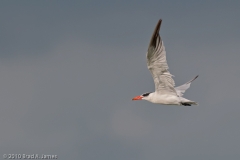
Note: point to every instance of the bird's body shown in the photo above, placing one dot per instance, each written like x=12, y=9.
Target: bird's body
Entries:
x=168, y=99
x=165, y=92
x=163, y=99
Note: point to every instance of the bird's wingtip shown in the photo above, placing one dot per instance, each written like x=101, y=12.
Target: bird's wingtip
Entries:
x=155, y=33
x=158, y=24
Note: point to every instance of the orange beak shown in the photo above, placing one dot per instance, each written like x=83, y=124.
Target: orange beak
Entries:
x=137, y=98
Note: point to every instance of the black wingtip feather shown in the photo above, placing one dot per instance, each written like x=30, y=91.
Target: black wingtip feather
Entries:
x=193, y=79
x=155, y=33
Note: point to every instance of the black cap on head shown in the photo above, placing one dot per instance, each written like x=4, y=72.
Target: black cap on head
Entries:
x=145, y=94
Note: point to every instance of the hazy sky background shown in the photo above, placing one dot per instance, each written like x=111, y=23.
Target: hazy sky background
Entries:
x=69, y=69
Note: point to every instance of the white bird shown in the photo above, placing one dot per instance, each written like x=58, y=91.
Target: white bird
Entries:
x=165, y=93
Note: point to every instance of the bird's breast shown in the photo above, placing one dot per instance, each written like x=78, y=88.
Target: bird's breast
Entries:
x=165, y=99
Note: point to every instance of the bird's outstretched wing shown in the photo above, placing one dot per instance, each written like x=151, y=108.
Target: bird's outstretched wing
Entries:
x=181, y=89
x=157, y=64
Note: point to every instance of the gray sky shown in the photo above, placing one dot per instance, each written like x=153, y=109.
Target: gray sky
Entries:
x=70, y=68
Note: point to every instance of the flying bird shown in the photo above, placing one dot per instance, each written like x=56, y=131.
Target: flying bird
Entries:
x=165, y=90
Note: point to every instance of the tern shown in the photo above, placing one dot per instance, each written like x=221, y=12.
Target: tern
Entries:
x=165, y=90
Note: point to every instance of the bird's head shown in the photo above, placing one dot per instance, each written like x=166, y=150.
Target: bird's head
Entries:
x=145, y=96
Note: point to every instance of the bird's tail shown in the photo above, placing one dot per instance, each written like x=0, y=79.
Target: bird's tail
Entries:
x=186, y=102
